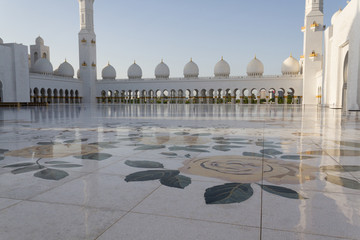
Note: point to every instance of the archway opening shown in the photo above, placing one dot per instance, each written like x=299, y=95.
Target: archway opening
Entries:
x=290, y=95
x=245, y=96
x=43, y=96
x=49, y=95
x=254, y=96
x=281, y=96
x=263, y=96
x=272, y=95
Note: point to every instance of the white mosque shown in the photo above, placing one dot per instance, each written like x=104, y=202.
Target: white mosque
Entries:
x=328, y=73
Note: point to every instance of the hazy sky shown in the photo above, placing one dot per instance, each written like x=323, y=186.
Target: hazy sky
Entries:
x=149, y=30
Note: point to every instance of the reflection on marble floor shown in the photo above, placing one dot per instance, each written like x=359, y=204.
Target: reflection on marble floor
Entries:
x=219, y=165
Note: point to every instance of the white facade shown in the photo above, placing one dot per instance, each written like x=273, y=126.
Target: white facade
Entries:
x=330, y=78
x=39, y=50
x=342, y=59
x=14, y=73
x=87, y=50
x=313, y=44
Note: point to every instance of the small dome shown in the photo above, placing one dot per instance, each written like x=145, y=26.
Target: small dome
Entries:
x=222, y=69
x=333, y=18
x=39, y=41
x=109, y=72
x=162, y=70
x=1, y=41
x=191, y=70
x=134, y=71
x=65, y=70
x=255, y=68
x=43, y=66
x=290, y=66
x=78, y=74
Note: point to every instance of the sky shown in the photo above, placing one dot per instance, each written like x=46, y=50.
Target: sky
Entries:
x=150, y=30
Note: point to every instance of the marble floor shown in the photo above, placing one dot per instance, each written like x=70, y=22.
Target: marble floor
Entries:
x=179, y=172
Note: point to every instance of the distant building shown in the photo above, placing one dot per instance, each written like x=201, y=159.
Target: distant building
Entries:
x=331, y=78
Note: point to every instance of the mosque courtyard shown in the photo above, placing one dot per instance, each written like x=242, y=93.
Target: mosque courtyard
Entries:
x=179, y=171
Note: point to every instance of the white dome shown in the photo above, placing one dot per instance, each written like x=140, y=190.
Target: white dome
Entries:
x=290, y=66
x=78, y=74
x=255, y=68
x=162, y=70
x=39, y=41
x=1, y=41
x=43, y=66
x=333, y=18
x=109, y=72
x=222, y=69
x=134, y=71
x=65, y=70
x=191, y=70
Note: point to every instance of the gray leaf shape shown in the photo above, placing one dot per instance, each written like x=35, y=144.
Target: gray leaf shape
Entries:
x=197, y=146
x=236, y=139
x=228, y=193
x=271, y=152
x=151, y=175
x=95, y=156
x=45, y=143
x=223, y=142
x=296, y=157
x=19, y=165
x=178, y=181
x=56, y=162
x=51, y=174
x=144, y=164
x=181, y=133
x=253, y=154
x=344, y=182
x=218, y=138
x=67, y=165
x=282, y=191
x=201, y=134
x=241, y=143
x=75, y=140
x=225, y=148
x=188, y=149
x=26, y=169
x=170, y=154
x=150, y=147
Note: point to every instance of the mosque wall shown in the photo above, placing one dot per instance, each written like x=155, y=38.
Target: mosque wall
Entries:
x=14, y=73
x=5, y=74
x=334, y=79
x=341, y=40
x=55, y=89
x=231, y=84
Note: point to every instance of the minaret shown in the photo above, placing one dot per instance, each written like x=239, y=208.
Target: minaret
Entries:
x=313, y=53
x=87, y=51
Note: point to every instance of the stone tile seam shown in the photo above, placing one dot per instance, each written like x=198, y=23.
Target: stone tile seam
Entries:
x=127, y=212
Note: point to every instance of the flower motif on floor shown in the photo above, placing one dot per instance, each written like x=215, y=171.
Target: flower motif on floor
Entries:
x=250, y=169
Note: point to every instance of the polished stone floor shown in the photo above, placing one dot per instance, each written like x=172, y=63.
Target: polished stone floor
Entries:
x=179, y=172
